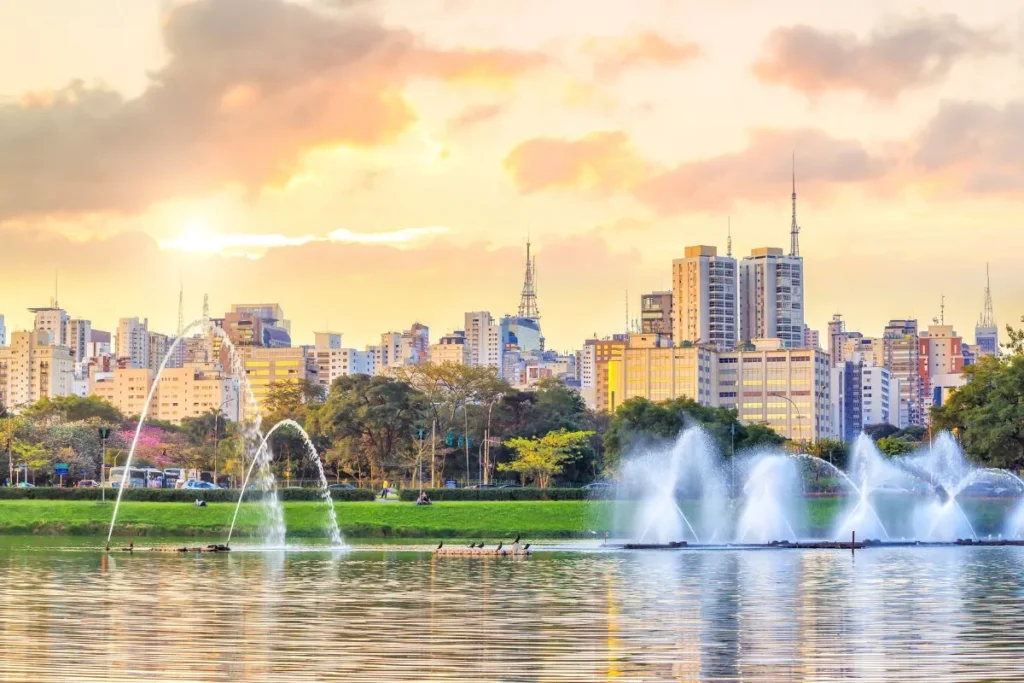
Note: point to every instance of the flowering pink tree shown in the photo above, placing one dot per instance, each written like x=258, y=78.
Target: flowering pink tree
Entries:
x=156, y=446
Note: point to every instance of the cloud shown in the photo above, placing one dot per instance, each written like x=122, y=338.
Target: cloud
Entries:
x=762, y=171
x=973, y=148
x=248, y=88
x=256, y=245
x=607, y=163
x=901, y=54
x=473, y=116
x=613, y=55
x=603, y=161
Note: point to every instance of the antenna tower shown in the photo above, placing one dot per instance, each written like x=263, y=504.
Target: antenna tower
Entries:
x=728, y=241
x=206, y=306
x=528, y=302
x=988, y=317
x=794, y=230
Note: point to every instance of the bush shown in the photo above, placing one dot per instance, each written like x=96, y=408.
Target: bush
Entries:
x=410, y=495
x=178, y=495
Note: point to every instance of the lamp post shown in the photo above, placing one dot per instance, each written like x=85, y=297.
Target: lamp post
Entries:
x=799, y=415
x=216, y=435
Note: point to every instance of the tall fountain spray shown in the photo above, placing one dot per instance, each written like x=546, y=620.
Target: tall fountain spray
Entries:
x=773, y=509
x=325, y=492
x=250, y=427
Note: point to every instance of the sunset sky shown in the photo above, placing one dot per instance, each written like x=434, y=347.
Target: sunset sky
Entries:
x=370, y=163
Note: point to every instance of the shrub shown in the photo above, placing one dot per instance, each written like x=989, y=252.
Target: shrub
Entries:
x=178, y=495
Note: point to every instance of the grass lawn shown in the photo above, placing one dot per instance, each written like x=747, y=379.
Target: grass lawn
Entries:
x=485, y=520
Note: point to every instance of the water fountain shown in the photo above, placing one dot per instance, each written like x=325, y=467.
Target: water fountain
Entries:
x=250, y=429
x=262, y=457
x=919, y=498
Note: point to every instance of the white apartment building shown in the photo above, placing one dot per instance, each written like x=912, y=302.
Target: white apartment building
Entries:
x=79, y=337
x=3, y=332
x=54, y=321
x=32, y=368
x=189, y=391
x=772, y=297
x=704, y=298
x=159, y=345
x=333, y=361
x=133, y=342
x=484, y=335
x=863, y=393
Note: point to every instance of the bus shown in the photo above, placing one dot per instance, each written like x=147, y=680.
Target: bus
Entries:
x=173, y=475
x=136, y=477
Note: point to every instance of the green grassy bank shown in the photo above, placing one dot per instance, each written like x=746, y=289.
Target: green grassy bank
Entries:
x=486, y=520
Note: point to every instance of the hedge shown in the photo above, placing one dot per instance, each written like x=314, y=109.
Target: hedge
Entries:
x=176, y=495
x=410, y=495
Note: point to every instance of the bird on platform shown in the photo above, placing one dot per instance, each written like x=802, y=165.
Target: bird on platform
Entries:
x=517, y=539
x=440, y=545
x=480, y=545
x=526, y=547
x=498, y=549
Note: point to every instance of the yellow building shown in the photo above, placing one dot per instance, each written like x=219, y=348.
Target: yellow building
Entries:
x=32, y=368
x=265, y=366
x=451, y=348
x=660, y=373
x=189, y=391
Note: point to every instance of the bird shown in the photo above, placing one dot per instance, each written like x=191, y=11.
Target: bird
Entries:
x=480, y=545
x=526, y=547
x=471, y=545
x=517, y=539
x=440, y=545
x=499, y=547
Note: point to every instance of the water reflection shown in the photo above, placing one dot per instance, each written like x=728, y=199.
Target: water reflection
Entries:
x=885, y=614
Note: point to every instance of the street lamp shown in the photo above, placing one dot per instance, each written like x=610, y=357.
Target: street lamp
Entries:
x=799, y=415
x=216, y=435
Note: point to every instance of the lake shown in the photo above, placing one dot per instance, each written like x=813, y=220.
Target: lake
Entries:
x=582, y=614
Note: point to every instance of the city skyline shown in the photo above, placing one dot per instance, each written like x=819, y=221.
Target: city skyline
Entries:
x=372, y=166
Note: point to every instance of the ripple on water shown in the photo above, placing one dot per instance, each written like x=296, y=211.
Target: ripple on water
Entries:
x=931, y=614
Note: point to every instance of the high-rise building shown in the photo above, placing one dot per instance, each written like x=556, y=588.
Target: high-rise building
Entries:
x=484, y=336
x=3, y=332
x=901, y=352
x=837, y=337
x=451, y=348
x=416, y=344
x=811, y=338
x=986, y=332
x=159, y=344
x=270, y=314
x=656, y=313
x=99, y=344
x=190, y=391
x=772, y=297
x=53, y=320
x=133, y=342
x=521, y=334
x=863, y=394
x=333, y=361
x=941, y=363
x=607, y=395
x=704, y=302
x=33, y=367
x=79, y=337
x=660, y=373
x=267, y=366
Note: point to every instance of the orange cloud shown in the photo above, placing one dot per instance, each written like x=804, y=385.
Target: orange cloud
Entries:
x=614, y=55
x=249, y=87
x=601, y=161
x=474, y=116
x=898, y=56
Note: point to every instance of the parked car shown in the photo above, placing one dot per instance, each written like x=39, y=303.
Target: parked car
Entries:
x=201, y=485
x=25, y=485
x=87, y=484
x=599, y=485
x=483, y=486
x=341, y=486
x=510, y=486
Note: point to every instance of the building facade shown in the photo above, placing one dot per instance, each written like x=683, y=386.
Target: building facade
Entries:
x=656, y=313
x=79, y=337
x=54, y=321
x=452, y=348
x=863, y=394
x=484, y=336
x=772, y=297
x=32, y=367
x=265, y=367
x=901, y=354
x=133, y=342
x=704, y=298
x=3, y=332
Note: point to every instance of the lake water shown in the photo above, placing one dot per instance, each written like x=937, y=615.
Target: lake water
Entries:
x=935, y=614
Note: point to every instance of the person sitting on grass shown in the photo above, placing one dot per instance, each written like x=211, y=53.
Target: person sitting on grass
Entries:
x=200, y=503
x=424, y=499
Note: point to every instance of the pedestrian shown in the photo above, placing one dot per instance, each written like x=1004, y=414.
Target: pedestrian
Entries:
x=384, y=490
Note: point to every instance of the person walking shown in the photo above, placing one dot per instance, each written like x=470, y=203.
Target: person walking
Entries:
x=384, y=490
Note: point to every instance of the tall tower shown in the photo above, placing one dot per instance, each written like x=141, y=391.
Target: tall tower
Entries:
x=528, y=302
x=794, y=230
x=986, y=333
x=181, y=307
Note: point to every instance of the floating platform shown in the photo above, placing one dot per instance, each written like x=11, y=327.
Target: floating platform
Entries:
x=217, y=548
x=815, y=545
x=482, y=552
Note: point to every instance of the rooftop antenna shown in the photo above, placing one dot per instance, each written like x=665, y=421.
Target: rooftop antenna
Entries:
x=728, y=242
x=56, y=289
x=942, y=310
x=206, y=306
x=794, y=230
x=528, y=301
x=181, y=305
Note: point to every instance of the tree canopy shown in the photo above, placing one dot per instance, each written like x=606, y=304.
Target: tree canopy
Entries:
x=541, y=458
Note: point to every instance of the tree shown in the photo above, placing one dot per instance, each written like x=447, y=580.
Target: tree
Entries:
x=369, y=421
x=880, y=431
x=72, y=409
x=830, y=450
x=988, y=411
x=541, y=458
x=893, y=446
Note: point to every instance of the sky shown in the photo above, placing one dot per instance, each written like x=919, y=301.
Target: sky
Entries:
x=371, y=163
